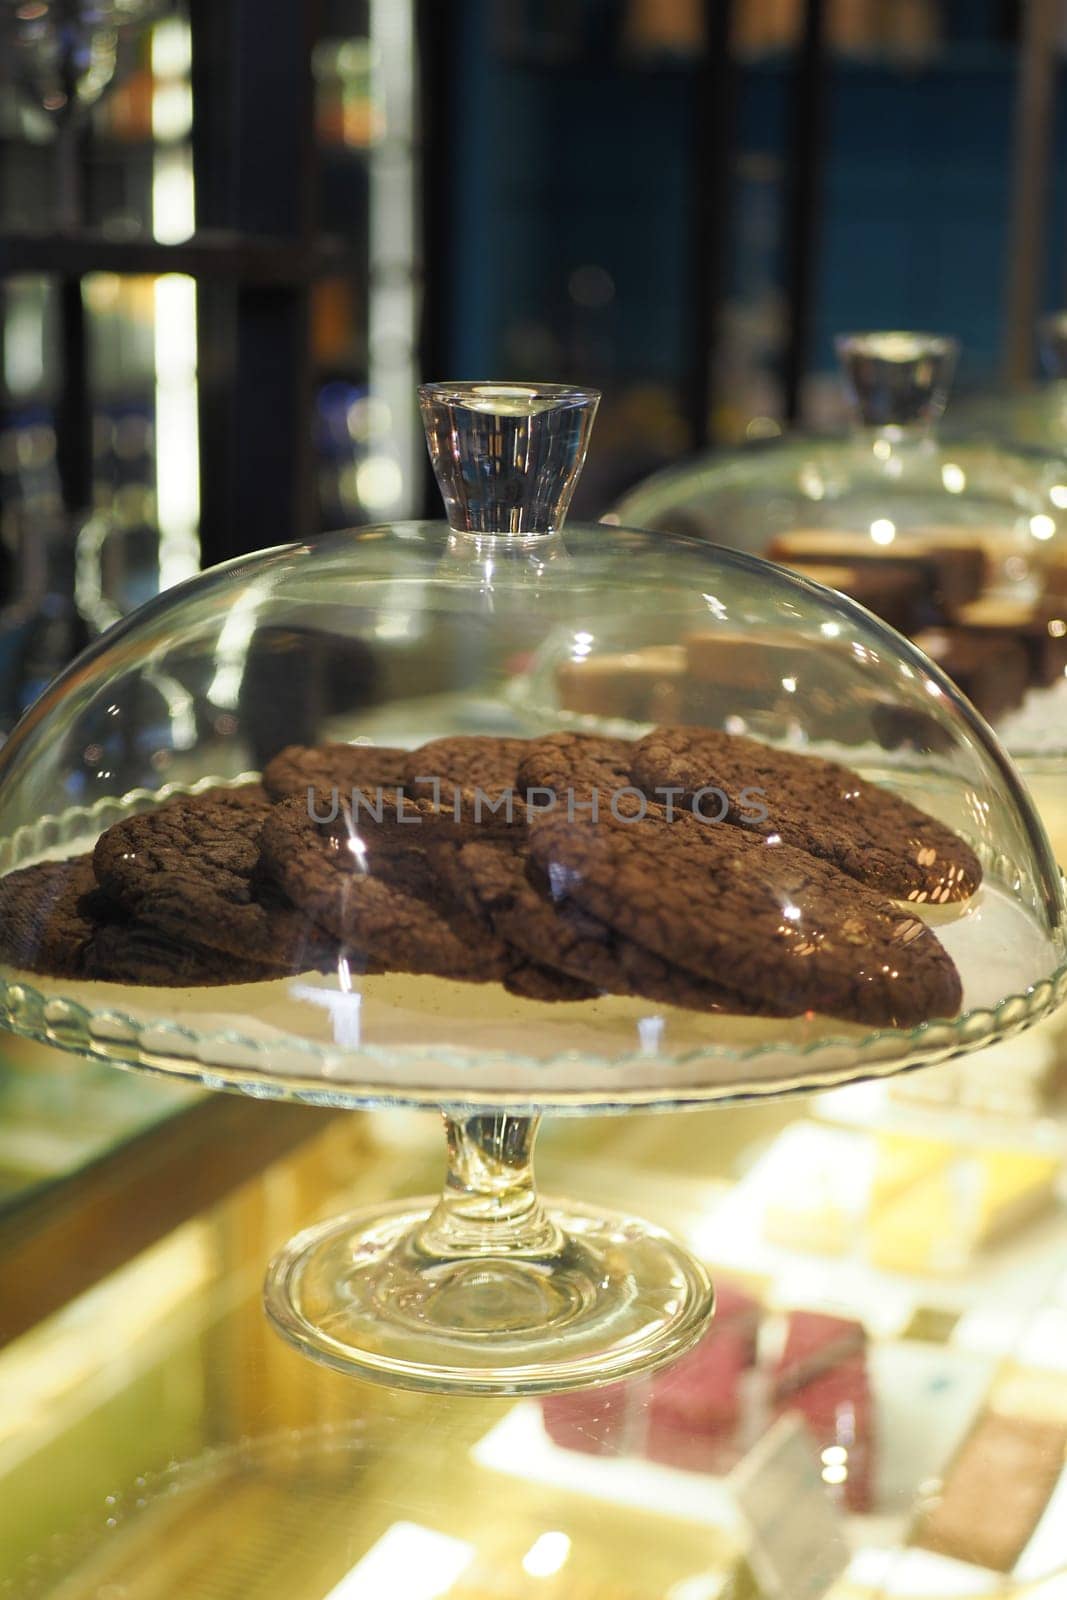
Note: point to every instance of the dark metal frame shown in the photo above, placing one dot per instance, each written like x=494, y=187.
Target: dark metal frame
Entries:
x=254, y=163
x=713, y=161
x=804, y=193
x=255, y=255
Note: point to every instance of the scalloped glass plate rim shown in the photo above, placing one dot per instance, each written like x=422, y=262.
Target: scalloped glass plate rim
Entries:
x=930, y=1042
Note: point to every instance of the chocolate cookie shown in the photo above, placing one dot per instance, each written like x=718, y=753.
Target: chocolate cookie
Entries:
x=815, y=805
x=135, y=953
x=560, y=934
x=533, y=982
x=343, y=767
x=387, y=907
x=466, y=762
x=525, y=974
x=570, y=767
x=775, y=923
x=230, y=796
x=43, y=922
x=55, y=919
x=190, y=870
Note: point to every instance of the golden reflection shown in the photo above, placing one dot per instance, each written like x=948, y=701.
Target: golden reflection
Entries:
x=181, y=1449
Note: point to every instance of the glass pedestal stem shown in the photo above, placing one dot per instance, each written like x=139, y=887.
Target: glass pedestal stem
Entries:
x=490, y=1202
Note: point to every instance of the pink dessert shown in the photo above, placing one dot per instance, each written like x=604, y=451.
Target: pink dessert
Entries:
x=695, y=1406
x=592, y=1420
x=822, y=1375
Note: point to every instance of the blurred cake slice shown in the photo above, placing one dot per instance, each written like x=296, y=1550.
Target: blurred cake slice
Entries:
x=948, y=573
x=634, y=686
x=992, y=670
x=695, y=1407
x=821, y=1374
x=995, y=1491
x=934, y=1206
x=1039, y=626
x=888, y=589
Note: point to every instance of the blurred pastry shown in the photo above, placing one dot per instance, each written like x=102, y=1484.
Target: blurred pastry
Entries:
x=822, y=1375
x=592, y=1421
x=695, y=1407
x=948, y=573
x=995, y=1491
x=1039, y=626
x=638, y=686
x=991, y=669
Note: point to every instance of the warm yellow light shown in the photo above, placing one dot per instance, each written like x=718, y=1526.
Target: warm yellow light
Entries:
x=546, y=1555
x=177, y=428
x=415, y=1562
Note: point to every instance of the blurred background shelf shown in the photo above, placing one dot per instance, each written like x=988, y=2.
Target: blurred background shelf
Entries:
x=215, y=254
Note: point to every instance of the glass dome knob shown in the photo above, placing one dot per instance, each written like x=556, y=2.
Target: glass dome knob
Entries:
x=507, y=455
x=897, y=380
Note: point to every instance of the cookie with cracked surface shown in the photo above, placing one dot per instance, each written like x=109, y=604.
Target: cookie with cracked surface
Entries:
x=773, y=922
x=136, y=953
x=44, y=924
x=191, y=870
x=559, y=933
x=815, y=805
x=55, y=920
x=344, y=767
x=573, y=767
x=525, y=975
x=234, y=796
x=465, y=762
x=388, y=907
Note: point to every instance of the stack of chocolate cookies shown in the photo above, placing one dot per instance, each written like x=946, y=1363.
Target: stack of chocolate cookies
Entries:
x=691, y=867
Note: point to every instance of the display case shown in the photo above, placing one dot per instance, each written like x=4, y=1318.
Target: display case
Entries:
x=161, y=1436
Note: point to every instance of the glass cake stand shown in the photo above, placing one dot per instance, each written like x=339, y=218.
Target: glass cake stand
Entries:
x=278, y=944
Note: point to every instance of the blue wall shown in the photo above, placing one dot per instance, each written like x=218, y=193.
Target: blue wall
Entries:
x=556, y=167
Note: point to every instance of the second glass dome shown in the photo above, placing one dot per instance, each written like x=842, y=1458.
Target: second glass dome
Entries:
x=960, y=543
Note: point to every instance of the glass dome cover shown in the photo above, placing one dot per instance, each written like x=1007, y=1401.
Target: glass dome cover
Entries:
x=1031, y=415
x=959, y=542
x=499, y=818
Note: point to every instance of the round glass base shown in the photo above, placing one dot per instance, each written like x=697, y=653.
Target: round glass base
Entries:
x=597, y=1298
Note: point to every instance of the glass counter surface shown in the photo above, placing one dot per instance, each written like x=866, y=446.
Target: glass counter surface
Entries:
x=58, y=1115
x=889, y=1359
